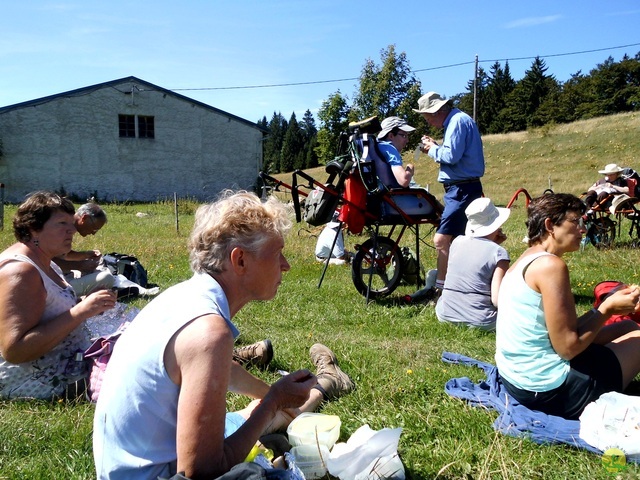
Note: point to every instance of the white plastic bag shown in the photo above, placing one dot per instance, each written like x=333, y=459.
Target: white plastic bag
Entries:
x=368, y=454
x=613, y=421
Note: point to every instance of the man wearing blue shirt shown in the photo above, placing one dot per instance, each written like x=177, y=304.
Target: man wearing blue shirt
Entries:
x=461, y=162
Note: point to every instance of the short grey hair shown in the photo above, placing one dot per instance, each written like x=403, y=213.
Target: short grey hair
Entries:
x=236, y=219
x=94, y=210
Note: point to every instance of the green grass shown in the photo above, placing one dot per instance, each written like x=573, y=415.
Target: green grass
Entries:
x=392, y=351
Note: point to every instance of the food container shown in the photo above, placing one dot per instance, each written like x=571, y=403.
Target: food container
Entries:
x=314, y=429
x=311, y=460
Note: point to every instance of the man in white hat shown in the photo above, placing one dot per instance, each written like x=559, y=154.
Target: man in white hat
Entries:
x=391, y=141
x=613, y=183
x=477, y=264
x=461, y=162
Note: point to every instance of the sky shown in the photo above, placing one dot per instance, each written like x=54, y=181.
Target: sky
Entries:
x=256, y=58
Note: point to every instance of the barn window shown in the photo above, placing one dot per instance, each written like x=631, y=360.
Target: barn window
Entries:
x=127, y=124
x=145, y=127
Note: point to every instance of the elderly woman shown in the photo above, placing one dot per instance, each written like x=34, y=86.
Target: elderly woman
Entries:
x=549, y=358
x=162, y=407
x=40, y=316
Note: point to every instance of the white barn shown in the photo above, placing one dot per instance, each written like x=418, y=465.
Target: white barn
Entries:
x=126, y=140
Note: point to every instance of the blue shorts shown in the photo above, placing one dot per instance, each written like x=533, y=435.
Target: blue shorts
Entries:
x=232, y=423
x=594, y=372
x=456, y=199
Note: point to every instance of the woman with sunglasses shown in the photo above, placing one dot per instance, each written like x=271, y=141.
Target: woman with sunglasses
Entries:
x=549, y=358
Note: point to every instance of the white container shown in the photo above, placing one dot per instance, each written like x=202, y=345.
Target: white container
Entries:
x=311, y=460
x=314, y=429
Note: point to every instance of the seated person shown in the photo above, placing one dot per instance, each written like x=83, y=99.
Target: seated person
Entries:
x=549, y=358
x=183, y=373
x=337, y=256
x=40, y=316
x=477, y=264
x=80, y=268
x=392, y=139
x=611, y=183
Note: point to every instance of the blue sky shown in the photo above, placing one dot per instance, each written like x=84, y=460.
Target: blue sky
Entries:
x=201, y=48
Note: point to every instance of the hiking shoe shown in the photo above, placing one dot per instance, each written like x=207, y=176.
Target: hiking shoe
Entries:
x=258, y=354
x=332, y=380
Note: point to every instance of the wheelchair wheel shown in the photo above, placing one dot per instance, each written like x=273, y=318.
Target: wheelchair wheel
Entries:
x=384, y=269
x=602, y=232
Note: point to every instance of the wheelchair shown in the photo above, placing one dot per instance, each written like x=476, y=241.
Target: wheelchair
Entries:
x=605, y=219
x=361, y=185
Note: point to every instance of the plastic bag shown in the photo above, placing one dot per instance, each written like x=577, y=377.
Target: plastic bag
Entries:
x=368, y=454
x=613, y=421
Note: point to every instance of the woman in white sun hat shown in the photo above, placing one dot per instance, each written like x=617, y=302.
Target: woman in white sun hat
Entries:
x=477, y=264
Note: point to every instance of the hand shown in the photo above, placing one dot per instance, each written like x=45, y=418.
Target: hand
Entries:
x=98, y=302
x=427, y=143
x=410, y=168
x=623, y=301
x=89, y=265
x=292, y=390
x=500, y=237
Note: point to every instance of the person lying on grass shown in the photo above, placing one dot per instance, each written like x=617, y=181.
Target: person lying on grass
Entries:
x=549, y=358
x=162, y=407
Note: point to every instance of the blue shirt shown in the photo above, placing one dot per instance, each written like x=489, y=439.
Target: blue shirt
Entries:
x=391, y=152
x=460, y=156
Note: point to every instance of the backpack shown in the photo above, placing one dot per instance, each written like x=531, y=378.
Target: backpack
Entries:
x=127, y=265
x=319, y=206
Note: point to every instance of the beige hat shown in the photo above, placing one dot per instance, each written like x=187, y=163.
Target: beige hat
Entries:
x=484, y=218
x=390, y=123
x=430, y=103
x=611, y=168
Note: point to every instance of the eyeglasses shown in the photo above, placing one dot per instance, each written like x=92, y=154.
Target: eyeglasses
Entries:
x=577, y=221
x=403, y=135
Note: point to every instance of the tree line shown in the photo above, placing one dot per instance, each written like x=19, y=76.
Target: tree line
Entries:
x=502, y=104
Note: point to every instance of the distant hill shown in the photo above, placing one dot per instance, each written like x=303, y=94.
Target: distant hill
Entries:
x=564, y=157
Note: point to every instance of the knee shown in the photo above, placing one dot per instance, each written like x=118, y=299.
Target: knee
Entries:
x=105, y=279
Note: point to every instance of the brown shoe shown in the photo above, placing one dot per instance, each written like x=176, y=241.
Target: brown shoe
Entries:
x=258, y=354
x=332, y=380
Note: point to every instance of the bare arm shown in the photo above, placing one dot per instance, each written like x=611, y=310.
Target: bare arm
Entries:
x=496, y=280
x=22, y=301
x=85, y=261
x=403, y=174
x=199, y=359
x=569, y=334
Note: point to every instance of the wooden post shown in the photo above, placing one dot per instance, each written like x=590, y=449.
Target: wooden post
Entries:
x=175, y=210
x=1, y=206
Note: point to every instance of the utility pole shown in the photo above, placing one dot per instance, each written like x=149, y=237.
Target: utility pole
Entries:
x=475, y=88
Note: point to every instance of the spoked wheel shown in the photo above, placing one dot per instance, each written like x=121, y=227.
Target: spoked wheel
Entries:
x=602, y=232
x=384, y=269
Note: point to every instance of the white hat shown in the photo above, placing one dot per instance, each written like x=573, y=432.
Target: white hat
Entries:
x=390, y=123
x=484, y=218
x=611, y=168
x=430, y=103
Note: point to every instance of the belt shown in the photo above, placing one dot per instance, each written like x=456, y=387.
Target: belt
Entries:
x=460, y=182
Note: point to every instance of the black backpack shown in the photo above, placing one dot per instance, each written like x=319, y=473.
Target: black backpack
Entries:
x=127, y=265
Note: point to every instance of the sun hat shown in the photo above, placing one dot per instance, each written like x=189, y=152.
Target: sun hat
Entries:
x=390, y=123
x=430, y=103
x=484, y=218
x=611, y=168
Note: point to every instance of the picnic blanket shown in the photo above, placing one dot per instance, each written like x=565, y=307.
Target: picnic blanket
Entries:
x=514, y=419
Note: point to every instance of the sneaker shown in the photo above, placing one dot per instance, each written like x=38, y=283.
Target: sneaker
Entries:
x=258, y=354
x=332, y=380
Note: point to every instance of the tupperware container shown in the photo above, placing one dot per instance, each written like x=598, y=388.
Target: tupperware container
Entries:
x=311, y=460
x=313, y=429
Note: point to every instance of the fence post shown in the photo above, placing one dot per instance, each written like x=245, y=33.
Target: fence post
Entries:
x=1, y=206
x=175, y=210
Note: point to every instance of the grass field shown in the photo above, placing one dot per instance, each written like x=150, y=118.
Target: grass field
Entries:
x=392, y=351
